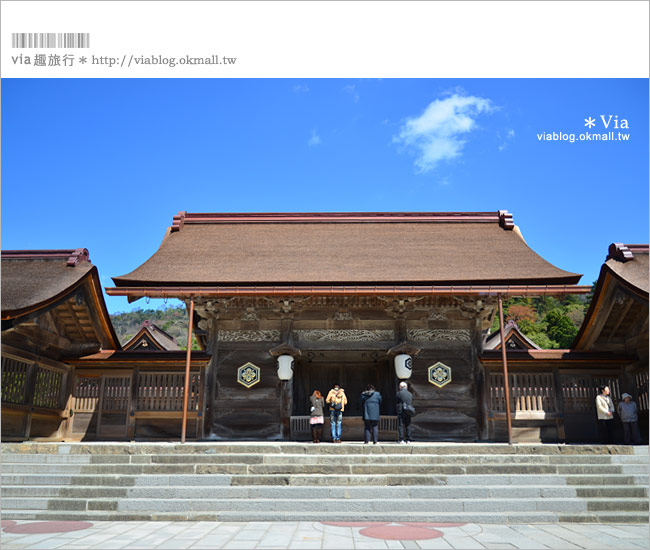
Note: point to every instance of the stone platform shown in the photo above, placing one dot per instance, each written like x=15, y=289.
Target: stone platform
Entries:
x=421, y=482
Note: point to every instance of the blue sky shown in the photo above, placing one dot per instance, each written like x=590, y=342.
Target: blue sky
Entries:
x=105, y=164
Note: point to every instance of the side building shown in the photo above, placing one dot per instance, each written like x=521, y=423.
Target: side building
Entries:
x=52, y=309
x=64, y=374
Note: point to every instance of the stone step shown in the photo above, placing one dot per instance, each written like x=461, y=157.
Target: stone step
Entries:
x=323, y=469
x=129, y=469
x=627, y=504
x=443, y=517
x=392, y=516
x=294, y=481
x=605, y=517
x=244, y=458
x=569, y=505
x=596, y=480
x=613, y=491
x=319, y=480
x=308, y=448
x=114, y=480
x=291, y=492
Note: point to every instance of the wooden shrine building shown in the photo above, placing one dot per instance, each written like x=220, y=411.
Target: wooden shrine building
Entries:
x=289, y=303
x=513, y=337
x=151, y=337
x=283, y=304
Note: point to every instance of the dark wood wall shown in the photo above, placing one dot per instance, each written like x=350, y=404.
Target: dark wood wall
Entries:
x=238, y=412
x=344, y=341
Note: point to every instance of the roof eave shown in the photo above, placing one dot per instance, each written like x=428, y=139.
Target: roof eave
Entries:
x=184, y=292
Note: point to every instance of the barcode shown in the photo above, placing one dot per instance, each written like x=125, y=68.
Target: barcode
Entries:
x=50, y=40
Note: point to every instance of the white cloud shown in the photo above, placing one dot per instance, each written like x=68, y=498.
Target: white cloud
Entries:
x=510, y=134
x=314, y=139
x=301, y=88
x=438, y=134
x=352, y=90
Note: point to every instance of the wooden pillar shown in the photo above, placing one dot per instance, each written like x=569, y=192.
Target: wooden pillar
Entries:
x=559, y=404
x=504, y=360
x=200, y=424
x=132, y=405
x=69, y=404
x=187, y=370
x=100, y=405
x=30, y=388
x=286, y=389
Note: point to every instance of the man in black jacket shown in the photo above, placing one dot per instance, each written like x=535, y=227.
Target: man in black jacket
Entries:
x=404, y=397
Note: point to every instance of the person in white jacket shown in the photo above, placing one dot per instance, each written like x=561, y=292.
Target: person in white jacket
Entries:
x=605, y=411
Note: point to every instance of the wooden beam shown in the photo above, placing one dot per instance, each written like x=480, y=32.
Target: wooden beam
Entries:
x=44, y=337
x=601, y=312
x=621, y=318
x=67, y=306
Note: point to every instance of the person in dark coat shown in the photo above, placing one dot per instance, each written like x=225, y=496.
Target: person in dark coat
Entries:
x=404, y=396
x=371, y=399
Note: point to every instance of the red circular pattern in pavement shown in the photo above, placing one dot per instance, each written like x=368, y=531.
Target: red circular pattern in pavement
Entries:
x=400, y=532
x=355, y=523
x=407, y=530
x=46, y=527
x=6, y=523
x=417, y=524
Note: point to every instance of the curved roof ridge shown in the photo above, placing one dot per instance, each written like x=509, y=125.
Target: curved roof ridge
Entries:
x=502, y=217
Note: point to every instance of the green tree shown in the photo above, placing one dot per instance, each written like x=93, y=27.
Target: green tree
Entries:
x=560, y=328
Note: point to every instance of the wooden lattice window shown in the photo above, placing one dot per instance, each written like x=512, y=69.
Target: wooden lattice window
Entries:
x=86, y=394
x=116, y=393
x=160, y=391
x=579, y=391
x=529, y=392
x=497, y=392
x=14, y=380
x=641, y=388
x=47, y=391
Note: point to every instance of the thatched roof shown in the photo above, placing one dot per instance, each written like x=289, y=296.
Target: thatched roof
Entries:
x=362, y=249
x=634, y=273
x=151, y=337
x=61, y=283
x=33, y=278
x=618, y=313
x=515, y=339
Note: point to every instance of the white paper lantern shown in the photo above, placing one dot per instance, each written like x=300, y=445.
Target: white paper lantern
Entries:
x=285, y=367
x=403, y=366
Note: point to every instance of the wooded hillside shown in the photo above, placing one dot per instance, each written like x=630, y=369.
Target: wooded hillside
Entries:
x=172, y=319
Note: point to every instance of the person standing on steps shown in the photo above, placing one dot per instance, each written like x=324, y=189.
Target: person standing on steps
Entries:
x=337, y=401
x=316, y=419
x=627, y=410
x=404, y=397
x=605, y=411
x=371, y=399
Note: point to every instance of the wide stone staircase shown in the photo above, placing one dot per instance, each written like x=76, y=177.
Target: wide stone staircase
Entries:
x=439, y=482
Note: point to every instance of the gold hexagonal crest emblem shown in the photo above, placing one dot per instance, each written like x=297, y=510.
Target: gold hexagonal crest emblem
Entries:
x=248, y=375
x=439, y=374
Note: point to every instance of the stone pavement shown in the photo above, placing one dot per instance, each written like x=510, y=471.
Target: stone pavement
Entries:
x=71, y=535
